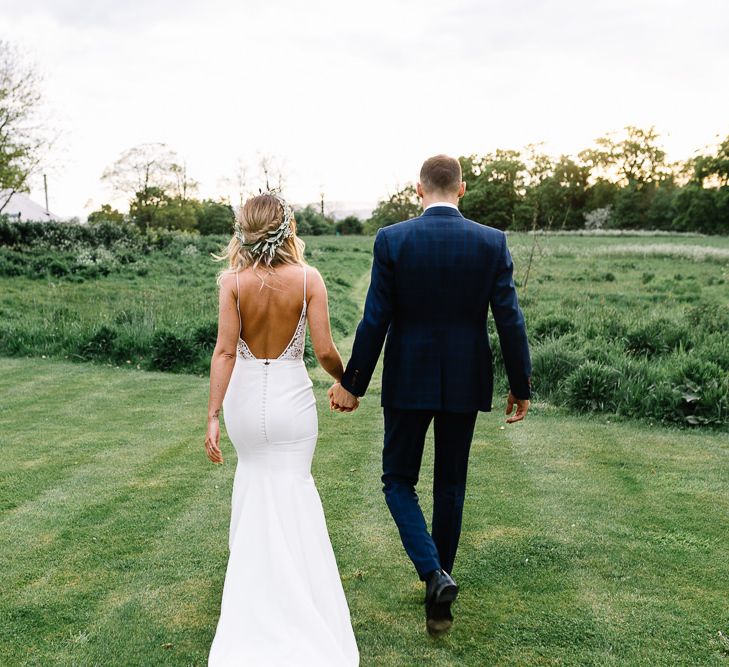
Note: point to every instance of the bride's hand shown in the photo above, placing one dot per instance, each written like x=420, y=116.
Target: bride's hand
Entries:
x=341, y=400
x=212, y=441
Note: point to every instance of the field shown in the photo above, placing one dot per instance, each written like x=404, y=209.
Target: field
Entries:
x=631, y=325
x=591, y=536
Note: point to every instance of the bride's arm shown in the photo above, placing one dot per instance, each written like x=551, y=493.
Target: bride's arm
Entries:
x=222, y=363
x=319, y=328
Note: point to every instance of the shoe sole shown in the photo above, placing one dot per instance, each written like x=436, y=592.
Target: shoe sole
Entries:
x=438, y=627
x=448, y=594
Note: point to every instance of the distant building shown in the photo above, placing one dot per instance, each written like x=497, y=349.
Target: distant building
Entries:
x=22, y=208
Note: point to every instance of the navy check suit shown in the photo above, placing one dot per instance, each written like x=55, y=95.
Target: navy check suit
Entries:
x=433, y=281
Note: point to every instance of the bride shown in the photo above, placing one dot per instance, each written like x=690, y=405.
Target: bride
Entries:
x=282, y=601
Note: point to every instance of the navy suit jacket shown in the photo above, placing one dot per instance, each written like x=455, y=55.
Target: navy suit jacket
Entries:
x=433, y=280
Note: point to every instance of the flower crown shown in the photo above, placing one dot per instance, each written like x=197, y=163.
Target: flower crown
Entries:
x=266, y=247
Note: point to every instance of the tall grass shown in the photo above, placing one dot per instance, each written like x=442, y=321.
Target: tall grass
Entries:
x=152, y=307
x=638, y=330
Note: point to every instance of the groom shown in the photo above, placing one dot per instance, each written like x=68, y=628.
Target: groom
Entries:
x=433, y=281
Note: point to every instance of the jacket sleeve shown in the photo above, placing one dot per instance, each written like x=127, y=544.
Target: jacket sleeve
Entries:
x=510, y=326
x=375, y=322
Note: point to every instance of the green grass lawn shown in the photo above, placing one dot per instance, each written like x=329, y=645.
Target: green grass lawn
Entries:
x=588, y=540
x=585, y=541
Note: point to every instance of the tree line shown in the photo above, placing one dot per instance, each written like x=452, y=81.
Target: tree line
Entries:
x=161, y=195
x=624, y=181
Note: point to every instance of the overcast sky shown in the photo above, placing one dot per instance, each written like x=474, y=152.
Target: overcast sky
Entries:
x=352, y=96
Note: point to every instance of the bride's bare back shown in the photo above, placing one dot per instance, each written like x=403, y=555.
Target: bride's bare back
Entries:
x=268, y=317
x=270, y=312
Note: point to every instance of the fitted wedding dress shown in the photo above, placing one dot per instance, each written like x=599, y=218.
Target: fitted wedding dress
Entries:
x=282, y=604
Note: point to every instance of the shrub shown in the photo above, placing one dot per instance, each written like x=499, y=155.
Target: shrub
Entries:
x=170, y=352
x=703, y=388
x=11, y=264
x=57, y=268
x=598, y=218
x=709, y=317
x=657, y=337
x=714, y=348
x=605, y=324
x=552, y=326
x=591, y=387
x=349, y=225
x=552, y=363
x=100, y=344
x=206, y=335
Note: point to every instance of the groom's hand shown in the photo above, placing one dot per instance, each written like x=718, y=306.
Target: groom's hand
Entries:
x=341, y=400
x=522, y=407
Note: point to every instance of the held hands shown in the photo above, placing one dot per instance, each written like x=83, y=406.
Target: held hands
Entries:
x=341, y=400
x=212, y=441
x=522, y=407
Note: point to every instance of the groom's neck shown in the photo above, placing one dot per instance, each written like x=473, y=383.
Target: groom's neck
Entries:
x=429, y=199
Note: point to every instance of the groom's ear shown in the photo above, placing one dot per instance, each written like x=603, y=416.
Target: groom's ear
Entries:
x=419, y=189
x=462, y=189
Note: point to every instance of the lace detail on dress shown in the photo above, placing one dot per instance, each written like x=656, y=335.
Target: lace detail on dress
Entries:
x=295, y=348
x=243, y=350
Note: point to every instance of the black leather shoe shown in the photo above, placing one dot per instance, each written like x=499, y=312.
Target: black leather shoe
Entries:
x=440, y=592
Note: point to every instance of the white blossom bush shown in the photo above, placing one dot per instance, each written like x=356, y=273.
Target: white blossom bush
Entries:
x=190, y=250
x=598, y=218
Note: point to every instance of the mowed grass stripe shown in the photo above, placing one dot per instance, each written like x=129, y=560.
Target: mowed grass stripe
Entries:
x=96, y=521
x=650, y=538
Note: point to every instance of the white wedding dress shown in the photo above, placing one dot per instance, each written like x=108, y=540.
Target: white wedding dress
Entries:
x=282, y=604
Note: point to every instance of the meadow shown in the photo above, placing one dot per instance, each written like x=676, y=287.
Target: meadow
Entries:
x=591, y=536
x=633, y=325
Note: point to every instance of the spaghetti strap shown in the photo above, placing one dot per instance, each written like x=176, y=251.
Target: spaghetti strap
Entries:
x=304, y=284
x=237, y=304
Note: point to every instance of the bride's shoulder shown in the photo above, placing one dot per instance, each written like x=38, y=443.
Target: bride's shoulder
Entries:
x=312, y=272
x=314, y=278
x=227, y=279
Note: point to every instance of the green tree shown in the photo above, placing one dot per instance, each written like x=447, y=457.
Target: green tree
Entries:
x=23, y=142
x=215, y=218
x=310, y=221
x=176, y=213
x=403, y=205
x=697, y=210
x=106, y=214
x=349, y=225
x=633, y=157
x=601, y=193
x=145, y=205
x=662, y=210
x=152, y=177
x=559, y=196
x=712, y=168
x=495, y=189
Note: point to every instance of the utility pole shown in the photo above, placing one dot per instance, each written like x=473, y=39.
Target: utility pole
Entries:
x=45, y=188
x=321, y=194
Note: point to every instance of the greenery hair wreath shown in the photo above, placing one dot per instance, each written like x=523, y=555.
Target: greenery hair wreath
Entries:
x=266, y=247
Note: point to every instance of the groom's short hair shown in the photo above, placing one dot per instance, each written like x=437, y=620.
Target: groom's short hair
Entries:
x=441, y=173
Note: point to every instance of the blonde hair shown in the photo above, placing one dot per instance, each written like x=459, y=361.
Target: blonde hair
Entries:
x=257, y=217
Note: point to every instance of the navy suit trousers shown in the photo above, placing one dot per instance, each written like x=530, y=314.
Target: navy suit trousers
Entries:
x=405, y=432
